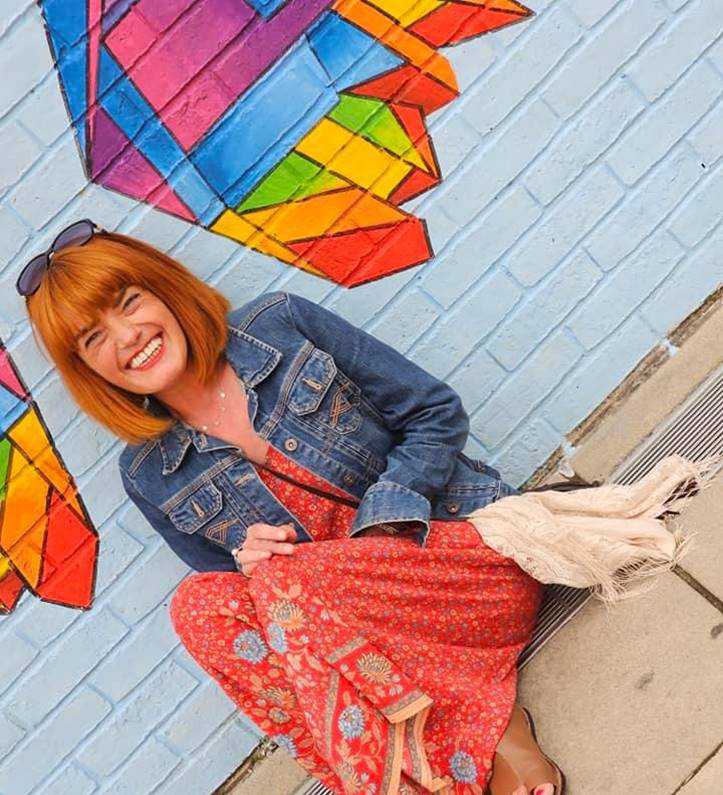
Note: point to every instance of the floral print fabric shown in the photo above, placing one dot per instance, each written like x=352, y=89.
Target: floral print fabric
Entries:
x=382, y=667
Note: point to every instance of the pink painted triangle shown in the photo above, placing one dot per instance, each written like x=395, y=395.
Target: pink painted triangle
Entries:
x=117, y=164
x=8, y=378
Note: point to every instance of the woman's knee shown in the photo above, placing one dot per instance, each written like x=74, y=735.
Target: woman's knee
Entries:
x=197, y=598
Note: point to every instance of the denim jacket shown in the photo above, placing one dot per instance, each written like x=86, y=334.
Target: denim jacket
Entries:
x=335, y=399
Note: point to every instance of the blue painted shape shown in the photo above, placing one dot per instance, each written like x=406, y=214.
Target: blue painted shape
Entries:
x=117, y=10
x=265, y=124
x=266, y=8
x=11, y=408
x=66, y=24
x=349, y=55
x=137, y=119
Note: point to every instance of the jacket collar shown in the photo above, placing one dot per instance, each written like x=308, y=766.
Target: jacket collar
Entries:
x=251, y=359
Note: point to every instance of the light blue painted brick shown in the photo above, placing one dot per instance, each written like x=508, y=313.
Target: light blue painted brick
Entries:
x=66, y=665
x=84, y=445
x=591, y=11
x=197, y=718
x=533, y=445
x=362, y=304
x=146, y=771
x=47, y=188
x=150, y=583
x=707, y=137
x=24, y=61
x=470, y=59
x=405, y=320
x=25, y=151
x=24, y=769
x=71, y=781
x=249, y=274
x=17, y=654
x=579, y=209
x=43, y=111
x=155, y=227
x=56, y=406
x=15, y=235
x=600, y=374
x=680, y=45
x=500, y=162
x=689, y=286
x=654, y=198
x=44, y=622
x=702, y=210
x=307, y=284
x=667, y=121
x=440, y=227
x=580, y=144
x=603, y=55
x=203, y=252
x=117, y=551
x=208, y=770
x=523, y=331
x=103, y=489
x=10, y=735
x=136, y=657
x=505, y=85
x=129, y=725
x=32, y=362
x=457, y=140
x=716, y=54
x=624, y=290
x=487, y=240
x=458, y=334
x=519, y=395
x=477, y=378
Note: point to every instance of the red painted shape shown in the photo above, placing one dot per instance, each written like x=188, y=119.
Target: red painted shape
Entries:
x=408, y=84
x=353, y=258
x=455, y=22
x=11, y=588
x=69, y=557
x=412, y=185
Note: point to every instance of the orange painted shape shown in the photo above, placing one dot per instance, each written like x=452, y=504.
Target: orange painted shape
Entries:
x=71, y=551
x=407, y=84
x=11, y=589
x=455, y=22
x=364, y=255
x=23, y=523
x=30, y=436
x=412, y=120
x=394, y=36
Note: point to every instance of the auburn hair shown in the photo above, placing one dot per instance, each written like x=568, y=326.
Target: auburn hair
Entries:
x=82, y=282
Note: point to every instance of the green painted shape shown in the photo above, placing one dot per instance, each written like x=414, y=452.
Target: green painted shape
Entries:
x=294, y=178
x=4, y=465
x=372, y=119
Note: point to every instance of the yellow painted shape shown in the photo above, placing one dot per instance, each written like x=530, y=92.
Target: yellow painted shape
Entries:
x=394, y=36
x=30, y=436
x=327, y=214
x=351, y=156
x=24, y=520
x=407, y=12
x=238, y=228
x=4, y=565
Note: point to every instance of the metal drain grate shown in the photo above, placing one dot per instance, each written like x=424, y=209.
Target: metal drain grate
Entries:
x=695, y=430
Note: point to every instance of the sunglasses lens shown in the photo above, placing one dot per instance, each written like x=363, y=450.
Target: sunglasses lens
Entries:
x=32, y=275
x=75, y=235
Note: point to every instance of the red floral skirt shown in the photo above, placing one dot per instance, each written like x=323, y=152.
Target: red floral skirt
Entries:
x=382, y=667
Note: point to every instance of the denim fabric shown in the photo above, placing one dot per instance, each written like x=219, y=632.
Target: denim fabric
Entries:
x=336, y=400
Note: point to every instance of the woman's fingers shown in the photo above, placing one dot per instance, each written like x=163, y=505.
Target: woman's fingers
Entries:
x=271, y=538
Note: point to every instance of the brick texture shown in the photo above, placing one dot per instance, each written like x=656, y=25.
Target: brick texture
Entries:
x=577, y=223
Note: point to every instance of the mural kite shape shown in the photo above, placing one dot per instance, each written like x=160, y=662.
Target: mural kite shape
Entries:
x=47, y=541
x=296, y=127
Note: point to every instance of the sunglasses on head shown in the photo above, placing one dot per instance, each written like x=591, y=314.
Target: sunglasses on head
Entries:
x=77, y=234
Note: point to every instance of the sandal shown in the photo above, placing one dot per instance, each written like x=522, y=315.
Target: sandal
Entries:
x=518, y=756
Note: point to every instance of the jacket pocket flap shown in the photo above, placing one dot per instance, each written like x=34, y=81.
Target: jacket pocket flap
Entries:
x=312, y=382
x=196, y=509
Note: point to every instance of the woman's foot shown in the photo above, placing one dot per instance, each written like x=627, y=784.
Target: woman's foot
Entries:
x=520, y=767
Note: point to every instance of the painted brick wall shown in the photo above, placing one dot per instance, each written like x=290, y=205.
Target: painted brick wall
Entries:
x=578, y=221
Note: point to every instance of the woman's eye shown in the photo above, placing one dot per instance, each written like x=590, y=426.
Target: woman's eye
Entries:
x=130, y=300
x=90, y=339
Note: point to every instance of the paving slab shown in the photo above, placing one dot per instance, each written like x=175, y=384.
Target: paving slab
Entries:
x=275, y=774
x=708, y=780
x=629, y=702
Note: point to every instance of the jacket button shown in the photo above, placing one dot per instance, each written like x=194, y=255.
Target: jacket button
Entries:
x=453, y=507
x=291, y=445
x=349, y=479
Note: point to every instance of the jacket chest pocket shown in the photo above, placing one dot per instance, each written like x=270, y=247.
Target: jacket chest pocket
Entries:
x=205, y=511
x=325, y=395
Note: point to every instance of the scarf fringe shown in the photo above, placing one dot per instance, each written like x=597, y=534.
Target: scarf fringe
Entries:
x=611, y=539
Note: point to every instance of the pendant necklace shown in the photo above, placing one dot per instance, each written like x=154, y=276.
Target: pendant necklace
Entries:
x=220, y=413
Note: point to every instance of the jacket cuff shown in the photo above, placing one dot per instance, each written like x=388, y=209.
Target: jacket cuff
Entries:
x=386, y=501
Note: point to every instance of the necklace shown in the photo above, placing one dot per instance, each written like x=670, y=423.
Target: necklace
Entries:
x=220, y=413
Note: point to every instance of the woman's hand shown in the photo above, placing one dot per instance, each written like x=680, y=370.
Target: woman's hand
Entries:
x=262, y=541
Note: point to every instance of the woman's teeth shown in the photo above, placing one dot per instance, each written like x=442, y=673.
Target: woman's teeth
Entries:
x=147, y=353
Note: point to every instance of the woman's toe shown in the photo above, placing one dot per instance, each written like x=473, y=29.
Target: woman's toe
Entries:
x=544, y=789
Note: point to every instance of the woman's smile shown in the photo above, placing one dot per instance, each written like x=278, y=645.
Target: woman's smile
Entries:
x=151, y=354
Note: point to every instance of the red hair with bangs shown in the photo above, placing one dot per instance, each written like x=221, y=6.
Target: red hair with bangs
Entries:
x=82, y=281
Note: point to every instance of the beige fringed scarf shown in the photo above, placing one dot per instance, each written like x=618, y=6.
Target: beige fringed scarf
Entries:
x=609, y=538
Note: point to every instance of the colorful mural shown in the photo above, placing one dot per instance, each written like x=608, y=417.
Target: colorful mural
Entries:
x=47, y=541
x=296, y=127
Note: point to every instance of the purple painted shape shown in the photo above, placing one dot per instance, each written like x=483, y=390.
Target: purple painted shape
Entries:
x=107, y=143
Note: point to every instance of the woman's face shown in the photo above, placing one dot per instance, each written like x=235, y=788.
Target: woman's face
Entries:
x=137, y=344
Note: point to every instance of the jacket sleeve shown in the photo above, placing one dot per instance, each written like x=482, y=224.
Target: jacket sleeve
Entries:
x=193, y=550
x=425, y=414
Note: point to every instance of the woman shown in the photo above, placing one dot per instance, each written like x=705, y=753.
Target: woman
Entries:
x=314, y=478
